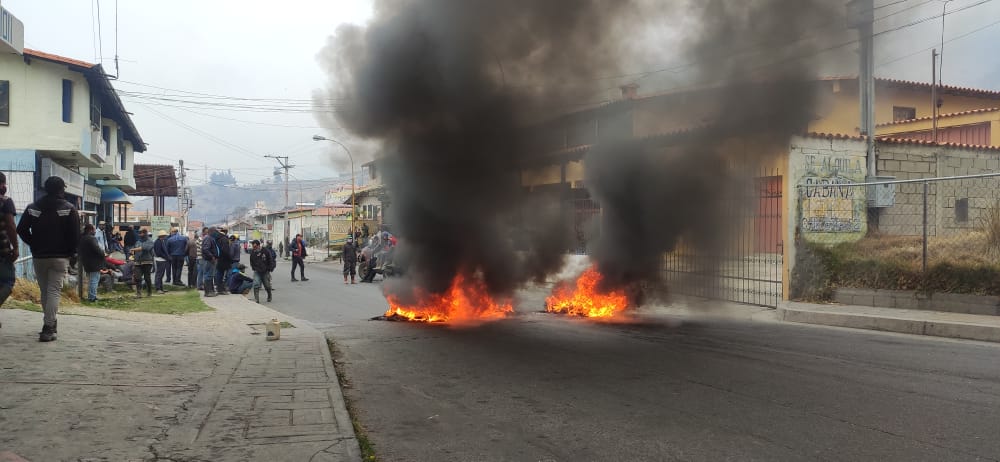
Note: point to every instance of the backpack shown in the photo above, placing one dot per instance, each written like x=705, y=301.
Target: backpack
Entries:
x=225, y=249
x=274, y=259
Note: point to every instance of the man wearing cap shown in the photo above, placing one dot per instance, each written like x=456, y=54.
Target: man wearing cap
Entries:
x=177, y=248
x=349, y=256
x=51, y=228
x=162, y=257
x=262, y=261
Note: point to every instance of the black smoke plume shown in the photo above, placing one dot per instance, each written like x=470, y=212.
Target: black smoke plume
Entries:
x=449, y=88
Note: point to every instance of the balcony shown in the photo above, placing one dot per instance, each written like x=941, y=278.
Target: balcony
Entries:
x=98, y=148
x=109, y=170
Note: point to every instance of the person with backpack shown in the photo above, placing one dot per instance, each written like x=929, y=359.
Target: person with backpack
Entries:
x=51, y=228
x=8, y=242
x=224, y=263
x=209, y=260
x=298, y=251
x=262, y=262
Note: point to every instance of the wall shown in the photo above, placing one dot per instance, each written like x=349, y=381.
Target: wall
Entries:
x=824, y=211
x=36, y=107
x=908, y=161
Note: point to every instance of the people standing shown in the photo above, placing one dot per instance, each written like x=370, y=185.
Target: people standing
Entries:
x=365, y=231
x=144, y=255
x=298, y=250
x=199, y=241
x=209, y=260
x=177, y=248
x=234, y=249
x=262, y=263
x=51, y=228
x=281, y=249
x=162, y=257
x=192, y=251
x=8, y=242
x=131, y=237
x=92, y=257
x=349, y=256
x=102, y=237
x=224, y=263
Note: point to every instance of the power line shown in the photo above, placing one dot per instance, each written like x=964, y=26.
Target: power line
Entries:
x=208, y=136
x=924, y=50
x=100, y=40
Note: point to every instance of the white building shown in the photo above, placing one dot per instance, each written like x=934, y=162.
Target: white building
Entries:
x=61, y=116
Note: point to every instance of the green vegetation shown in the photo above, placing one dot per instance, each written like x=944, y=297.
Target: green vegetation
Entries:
x=959, y=263
x=175, y=301
x=367, y=447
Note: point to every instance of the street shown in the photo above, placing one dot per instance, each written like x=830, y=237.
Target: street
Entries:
x=541, y=388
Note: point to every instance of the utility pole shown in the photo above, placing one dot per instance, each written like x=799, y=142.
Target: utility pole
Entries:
x=861, y=16
x=934, y=97
x=184, y=202
x=283, y=162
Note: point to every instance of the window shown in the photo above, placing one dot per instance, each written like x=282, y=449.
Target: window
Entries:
x=67, y=101
x=900, y=113
x=121, y=159
x=962, y=210
x=106, y=136
x=4, y=102
x=121, y=149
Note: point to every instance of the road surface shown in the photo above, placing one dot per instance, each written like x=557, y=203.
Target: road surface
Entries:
x=540, y=387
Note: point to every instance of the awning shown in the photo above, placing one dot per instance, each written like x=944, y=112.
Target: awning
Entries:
x=114, y=196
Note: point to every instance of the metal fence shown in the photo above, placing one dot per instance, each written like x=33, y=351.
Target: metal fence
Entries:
x=915, y=223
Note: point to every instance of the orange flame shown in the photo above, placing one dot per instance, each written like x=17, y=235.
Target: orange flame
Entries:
x=466, y=300
x=585, y=299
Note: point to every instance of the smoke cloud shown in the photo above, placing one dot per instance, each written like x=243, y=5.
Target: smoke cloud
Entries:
x=449, y=88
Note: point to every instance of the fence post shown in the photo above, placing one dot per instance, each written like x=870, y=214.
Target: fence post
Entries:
x=924, y=263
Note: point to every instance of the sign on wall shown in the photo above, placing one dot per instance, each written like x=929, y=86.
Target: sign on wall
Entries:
x=829, y=204
x=158, y=223
x=92, y=194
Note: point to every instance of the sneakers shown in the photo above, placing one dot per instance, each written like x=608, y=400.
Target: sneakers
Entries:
x=305, y=279
x=294, y=280
x=47, y=334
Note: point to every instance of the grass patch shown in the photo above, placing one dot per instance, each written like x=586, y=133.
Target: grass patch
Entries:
x=175, y=301
x=366, y=445
x=287, y=325
x=956, y=264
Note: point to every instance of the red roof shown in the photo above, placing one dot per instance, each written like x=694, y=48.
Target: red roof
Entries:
x=57, y=58
x=913, y=142
x=835, y=136
x=941, y=116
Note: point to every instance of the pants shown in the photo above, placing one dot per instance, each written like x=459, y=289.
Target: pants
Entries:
x=350, y=267
x=143, y=273
x=7, y=279
x=261, y=279
x=161, y=270
x=302, y=267
x=193, y=269
x=222, y=276
x=93, y=279
x=243, y=287
x=50, y=273
x=177, y=264
x=206, y=275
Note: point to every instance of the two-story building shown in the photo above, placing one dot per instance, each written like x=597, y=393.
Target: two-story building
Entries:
x=61, y=116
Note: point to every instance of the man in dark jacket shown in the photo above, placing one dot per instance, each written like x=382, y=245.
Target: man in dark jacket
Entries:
x=350, y=258
x=144, y=255
x=298, y=250
x=177, y=248
x=131, y=236
x=162, y=259
x=224, y=264
x=234, y=250
x=262, y=262
x=51, y=228
x=191, y=254
x=92, y=257
x=209, y=260
x=8, y=242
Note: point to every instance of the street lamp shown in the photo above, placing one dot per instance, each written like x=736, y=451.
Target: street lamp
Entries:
x=353, y=194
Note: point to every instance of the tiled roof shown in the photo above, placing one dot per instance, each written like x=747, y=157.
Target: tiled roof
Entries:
x=835, y=136
x=913, y=142
x=160, y=180
x=57, y=58
x=941, y=116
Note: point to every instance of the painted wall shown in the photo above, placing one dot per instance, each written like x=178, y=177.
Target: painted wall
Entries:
x=36, y=107
x=825, y=209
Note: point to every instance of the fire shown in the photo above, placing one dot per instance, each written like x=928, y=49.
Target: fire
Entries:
x=466, y=300
x=586, y=299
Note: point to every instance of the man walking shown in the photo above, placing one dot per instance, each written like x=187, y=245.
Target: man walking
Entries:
x=162, y=257
x=8, y=242
x=177, y=248
x=281, y=249
x=350, y=258
x=262, y=262
x=92, y=257
x=144, y=256
x=298, y=250
x=51, y=228
x=209, y=260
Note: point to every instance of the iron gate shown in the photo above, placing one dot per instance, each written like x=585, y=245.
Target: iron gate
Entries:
x=748, y=267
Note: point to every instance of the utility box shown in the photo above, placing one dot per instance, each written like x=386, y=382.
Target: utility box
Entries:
x=881, y=195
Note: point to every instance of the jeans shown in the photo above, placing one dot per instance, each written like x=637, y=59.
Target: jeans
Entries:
x=193, y=269
x=50, y=273
x=93, y=278
x=177, y=265
x=297, y=261
x=161, y=270
x=143, y=273
x=206, y=274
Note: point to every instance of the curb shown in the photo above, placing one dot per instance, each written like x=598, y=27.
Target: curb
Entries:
x=887, y=324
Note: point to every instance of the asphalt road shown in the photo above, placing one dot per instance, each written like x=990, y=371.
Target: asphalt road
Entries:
x=543, y=388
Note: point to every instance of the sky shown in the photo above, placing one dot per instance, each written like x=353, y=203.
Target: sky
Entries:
x=201, y=55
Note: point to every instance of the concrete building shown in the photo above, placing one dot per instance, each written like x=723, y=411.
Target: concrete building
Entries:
x=62, y=117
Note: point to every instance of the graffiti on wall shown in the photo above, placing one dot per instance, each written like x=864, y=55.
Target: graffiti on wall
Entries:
x=829, y=204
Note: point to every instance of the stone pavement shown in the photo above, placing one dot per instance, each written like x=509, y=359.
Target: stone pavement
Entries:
x=121, y=386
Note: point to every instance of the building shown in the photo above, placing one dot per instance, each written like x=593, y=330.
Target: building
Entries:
x=61, y=117
x=827, y=150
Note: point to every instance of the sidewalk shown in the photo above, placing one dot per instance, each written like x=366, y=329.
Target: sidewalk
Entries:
x=918, y=322
x=135, y=386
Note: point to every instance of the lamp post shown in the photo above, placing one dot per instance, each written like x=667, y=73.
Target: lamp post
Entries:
x=353, y=195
